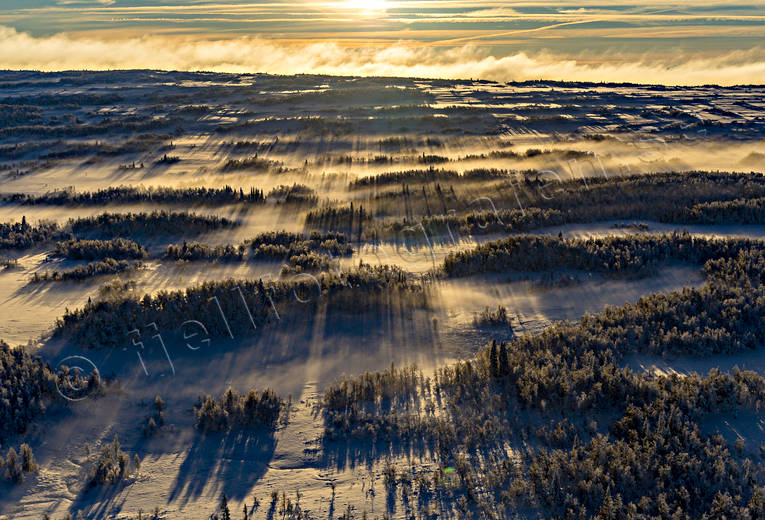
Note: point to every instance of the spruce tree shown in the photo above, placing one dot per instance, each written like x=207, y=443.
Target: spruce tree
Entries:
x=224, y=511
x=13, y=469
x=28, y=463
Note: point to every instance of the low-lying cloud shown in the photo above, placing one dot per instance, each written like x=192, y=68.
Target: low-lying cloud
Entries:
x=66, y=52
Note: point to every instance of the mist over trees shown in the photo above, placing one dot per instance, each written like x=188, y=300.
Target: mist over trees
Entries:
x=527, y=200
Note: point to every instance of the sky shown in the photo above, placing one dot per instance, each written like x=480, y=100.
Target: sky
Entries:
x=655, y=41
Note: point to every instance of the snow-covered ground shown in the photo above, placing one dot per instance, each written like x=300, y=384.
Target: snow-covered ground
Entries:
x=323, y=141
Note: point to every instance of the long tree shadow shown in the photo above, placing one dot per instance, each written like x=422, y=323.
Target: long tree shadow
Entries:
x=237, y=459
x=102, y=501
x=350, y=452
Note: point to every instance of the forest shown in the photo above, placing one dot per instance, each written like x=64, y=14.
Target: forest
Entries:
x=650, y=461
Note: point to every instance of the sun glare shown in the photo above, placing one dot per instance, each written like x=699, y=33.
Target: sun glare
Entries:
x=367, y=5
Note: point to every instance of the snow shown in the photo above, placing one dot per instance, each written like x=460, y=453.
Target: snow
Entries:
x=183, y=472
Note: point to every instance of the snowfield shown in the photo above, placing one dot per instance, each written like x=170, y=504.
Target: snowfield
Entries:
x=319, y=149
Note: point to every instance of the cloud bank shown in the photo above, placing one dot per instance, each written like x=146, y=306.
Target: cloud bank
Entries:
x=66, y=52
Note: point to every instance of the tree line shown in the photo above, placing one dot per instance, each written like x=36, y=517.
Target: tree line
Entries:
x=107, y=266
x=131, y=194
x=22, y=235
x=631, y=255
x=115, y=249
x=112, y=225
x=107, y=322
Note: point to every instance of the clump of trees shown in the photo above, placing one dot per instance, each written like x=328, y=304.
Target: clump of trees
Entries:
x=168, y=159
x=254, y=163
x=307, y=263
x=492, y=317
x=385, y=388
x=157, y=222
x=738, y=211
x=19, y=115
x=301, y=253
x=118, y=248
x=116, y=289
x=111, y=466
x=283, y=244
x=22, y=235
x=73, y=127
x=528, y=200
x=233, y=410
x=294, y=194
x=105, y=267
x=194, y=251
x=348, y=220
x=380, y=406
x=431, y=159
x=14, y=465
x=408, y=176
x=156, y=421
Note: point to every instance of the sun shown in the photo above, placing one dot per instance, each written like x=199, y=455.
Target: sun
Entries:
x=367, y=5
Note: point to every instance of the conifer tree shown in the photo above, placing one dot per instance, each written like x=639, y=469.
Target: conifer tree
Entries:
x=13, y=469
x=224, y=511
x=28, y=463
